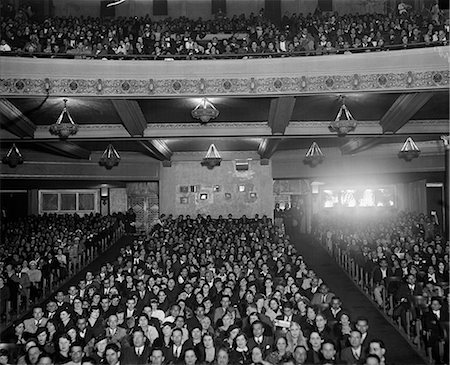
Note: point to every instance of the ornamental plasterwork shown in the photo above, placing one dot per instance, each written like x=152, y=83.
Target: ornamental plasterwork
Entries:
x=233, y=86
x=224, y=125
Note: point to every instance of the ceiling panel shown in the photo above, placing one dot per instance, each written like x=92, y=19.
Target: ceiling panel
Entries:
x=82, y=110
x=178, y=110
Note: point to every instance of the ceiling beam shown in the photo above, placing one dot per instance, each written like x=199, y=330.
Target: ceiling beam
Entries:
x=397, y=116
x=402, y=110
x=300, y=129
x=132, y=117
x=14, y=121
x=157, y=149
x=65, y=148
x=268, y=146
x=280, y=113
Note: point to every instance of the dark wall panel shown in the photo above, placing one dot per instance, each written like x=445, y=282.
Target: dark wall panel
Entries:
x=160, y=7
x=217, y=5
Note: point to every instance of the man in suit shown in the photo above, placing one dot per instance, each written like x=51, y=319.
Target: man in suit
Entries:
x=76, y=354
x=143, y=295
x=130, y=310
x=175, y=352
x=334, y=312
x=287, y=316
x=379, y=276
x=139, y=353
x=362, y=325
x=38, y=320
x=225, y=303
x=322, y=297
x=353, y=354
x=313, y=288
x=434, y=323
x=265, y=343
x=85, y=333
x=113, y=332
x=405, y=299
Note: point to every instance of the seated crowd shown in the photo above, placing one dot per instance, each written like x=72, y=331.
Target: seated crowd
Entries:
x=37, y=248
x=318, y=33
x=198, y=291
x=406, y=258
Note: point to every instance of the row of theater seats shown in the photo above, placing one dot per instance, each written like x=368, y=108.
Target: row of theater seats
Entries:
x=198, y=291
x=406, y=277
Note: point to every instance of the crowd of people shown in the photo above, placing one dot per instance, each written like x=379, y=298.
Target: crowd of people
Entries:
x=197, y=290
x=407, y=257
x=254, y=35
x=36, y=248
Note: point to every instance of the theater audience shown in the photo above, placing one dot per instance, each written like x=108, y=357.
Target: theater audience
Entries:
x=249, y=36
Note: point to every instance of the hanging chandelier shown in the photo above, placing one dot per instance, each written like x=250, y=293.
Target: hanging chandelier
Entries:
x=205, y=111
x=314, y=156
x=110, y=157
x=344, y=122
x=64, y=126
x=212, y=158
x=13, y=157
x=409, y=150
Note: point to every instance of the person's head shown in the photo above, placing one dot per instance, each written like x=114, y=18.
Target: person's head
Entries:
x=38, y=313
x=157, y=356
x=190, y=358
x=300, y=354
x=355, y=339
x=372, y=359
x=113, y=321
x=64, y=343
x=241, y=340
x=45, y=359
x=258, y=329
x=138, y=338
x=362, y=325
x=76, y=352
x=295, y=330
x=33, y=354
x=177, y=336
x=223, y=357
x=377, y=347
x=315, y=340
x=100, y=344
x=281, y=345
x=435, y=304
x=321, y=321
x=336, y=302
x=328, y=350
x=257, y=355
x=112, y=354
x=41, y=335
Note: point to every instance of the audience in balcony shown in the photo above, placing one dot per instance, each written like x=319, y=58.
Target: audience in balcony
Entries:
x=239, y=36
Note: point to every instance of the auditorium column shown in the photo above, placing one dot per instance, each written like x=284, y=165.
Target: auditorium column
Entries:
x=446, y=201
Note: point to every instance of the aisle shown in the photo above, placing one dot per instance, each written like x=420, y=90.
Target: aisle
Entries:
x=398, y=349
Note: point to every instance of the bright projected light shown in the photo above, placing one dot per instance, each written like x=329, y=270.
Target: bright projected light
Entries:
x=361, y=197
